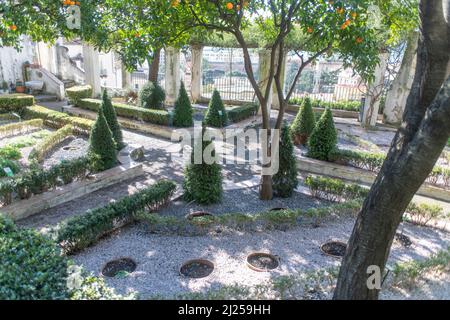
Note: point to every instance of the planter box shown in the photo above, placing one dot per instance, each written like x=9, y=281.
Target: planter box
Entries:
x=360, y=176
x=25, y=208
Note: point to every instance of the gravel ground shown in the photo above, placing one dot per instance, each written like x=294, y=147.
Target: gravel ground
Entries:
x=74, y=149
x=159, y=257
x=243, y=201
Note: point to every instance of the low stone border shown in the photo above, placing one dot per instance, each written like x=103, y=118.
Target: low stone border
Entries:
x=158, y=130
x=25, y=208
x=360, y=176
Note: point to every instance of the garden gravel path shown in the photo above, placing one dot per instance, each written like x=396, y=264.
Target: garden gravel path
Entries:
x=159, y=257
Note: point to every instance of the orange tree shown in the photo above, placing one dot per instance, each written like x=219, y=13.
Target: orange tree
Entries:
x=315, y=26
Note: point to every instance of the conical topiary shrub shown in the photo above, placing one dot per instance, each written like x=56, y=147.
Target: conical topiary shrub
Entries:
x=216, y=116
x=183, y=110
x=111, y=118
x=151, y=96
x=324, y=137
x=285, y=180
x=102, y=147
x=202, y=181
x=304, y=123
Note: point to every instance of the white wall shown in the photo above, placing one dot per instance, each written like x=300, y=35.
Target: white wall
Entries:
x=11, y=61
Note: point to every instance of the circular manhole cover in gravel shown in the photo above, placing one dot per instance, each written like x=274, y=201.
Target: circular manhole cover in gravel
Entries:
x=404, y=240
x=197, y=268
x=260, y=261
x=334, y=248
x=116, y=267
x=198, y=214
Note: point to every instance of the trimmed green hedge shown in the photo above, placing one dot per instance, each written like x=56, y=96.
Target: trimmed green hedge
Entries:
x=41, y=150
x=20, y=127
x=15, y=102
x=243, y=112
x=31, y=266
x=56, y=120
x=81, y=231
x=334, y=189
x=36, y=180
x=75, y=94
x=360, y=159
x=338, y=105
x=128, y=111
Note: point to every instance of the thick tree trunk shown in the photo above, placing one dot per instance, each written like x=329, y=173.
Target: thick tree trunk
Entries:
x=414, y=151
x=154, y=66
x=401, y=87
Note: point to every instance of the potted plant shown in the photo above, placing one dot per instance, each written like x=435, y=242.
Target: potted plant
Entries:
x=20, y=86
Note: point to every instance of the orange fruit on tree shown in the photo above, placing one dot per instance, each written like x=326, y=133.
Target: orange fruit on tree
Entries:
x=345, y=24
x=238, y=7
x=359, y=40
x=175, y=3
x=354, y=15
x=229, y=6
x=340, y=10
x=309, y=30
x=13, y=27
x=245, y=4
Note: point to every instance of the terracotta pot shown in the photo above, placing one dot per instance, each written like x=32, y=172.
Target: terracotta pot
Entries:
x=20, y=89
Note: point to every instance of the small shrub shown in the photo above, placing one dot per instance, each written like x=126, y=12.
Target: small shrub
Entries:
x=31, y=266
x=111, y=118
x=183, y=110
x=102, y=147
x=202, y=181
x=76, y=93
x=10, y=153
x=285, y=180
x=243, y=112
x=216, y=116
x=6, y=163
x=303, y=124
x=423, y=214
x=151, y=96
x=324, y=137
x=364, y=160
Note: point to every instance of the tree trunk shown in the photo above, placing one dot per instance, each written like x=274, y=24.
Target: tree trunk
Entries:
x=154, y=66
x=413, y=153
x=397, y=95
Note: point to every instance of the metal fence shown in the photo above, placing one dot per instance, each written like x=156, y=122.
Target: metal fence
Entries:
x=224, y=70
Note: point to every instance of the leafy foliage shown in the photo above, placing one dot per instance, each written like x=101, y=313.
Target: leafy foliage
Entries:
x=183, y=110
x=243, y=112
x=151, y=96
x=76, y=93
x=31, y=267
x=216, y=116
x=334, y=189
x=285, y=180
x=15, y=102
x=111, y=118
x=323, y=138
x=202, y=181
x=102, y=147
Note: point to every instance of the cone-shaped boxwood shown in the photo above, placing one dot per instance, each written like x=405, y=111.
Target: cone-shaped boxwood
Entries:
x=102, y=147
x=183, y=110
x=285, y=180
x=303, y=124
x=324, y=137
x=151, y=96
x=216, y=116
x=111, y=119
x=203, y=181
